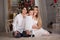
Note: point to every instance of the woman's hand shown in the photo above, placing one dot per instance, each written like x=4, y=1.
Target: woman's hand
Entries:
x=34, y=26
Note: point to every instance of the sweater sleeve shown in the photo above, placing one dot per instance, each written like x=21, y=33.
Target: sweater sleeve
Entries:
x=15, y=24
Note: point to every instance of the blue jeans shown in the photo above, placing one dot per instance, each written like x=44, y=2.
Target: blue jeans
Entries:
x=23, y=34
x=18, y=35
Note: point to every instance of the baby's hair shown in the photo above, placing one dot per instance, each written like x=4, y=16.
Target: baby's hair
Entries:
x=31, y=9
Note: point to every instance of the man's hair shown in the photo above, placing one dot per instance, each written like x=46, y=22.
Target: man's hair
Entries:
x=23, y=8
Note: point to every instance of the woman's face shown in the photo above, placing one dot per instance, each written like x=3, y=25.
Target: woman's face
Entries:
x=31, y=12
x=24, y=10
x=35, y=11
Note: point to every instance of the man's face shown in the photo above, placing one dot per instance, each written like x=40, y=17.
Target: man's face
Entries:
x=24, y=11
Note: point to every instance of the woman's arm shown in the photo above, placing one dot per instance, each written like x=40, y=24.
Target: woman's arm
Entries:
x=38, y=25
x=35, y=27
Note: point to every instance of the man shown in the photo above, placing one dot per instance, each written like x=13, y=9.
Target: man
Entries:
x=18, y=23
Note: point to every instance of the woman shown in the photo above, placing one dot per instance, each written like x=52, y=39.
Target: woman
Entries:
x=18, y=23
x=37, y=24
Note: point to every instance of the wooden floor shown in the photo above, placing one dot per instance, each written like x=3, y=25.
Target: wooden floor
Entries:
x=4, y=36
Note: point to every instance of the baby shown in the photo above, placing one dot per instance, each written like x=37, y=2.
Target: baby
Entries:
x=29, y=22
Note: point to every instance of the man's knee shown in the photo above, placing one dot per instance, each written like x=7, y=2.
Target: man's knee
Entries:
x=17, y=35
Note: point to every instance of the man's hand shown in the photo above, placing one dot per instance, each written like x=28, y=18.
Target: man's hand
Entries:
x=15, y=33
x=28, y=32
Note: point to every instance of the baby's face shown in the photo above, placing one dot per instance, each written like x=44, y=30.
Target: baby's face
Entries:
x=31, y=12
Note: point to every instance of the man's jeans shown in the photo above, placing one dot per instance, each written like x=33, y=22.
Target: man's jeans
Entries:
x=23, y=34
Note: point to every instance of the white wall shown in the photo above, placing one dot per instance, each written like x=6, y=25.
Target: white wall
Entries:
x=5, y=13
x=36, y=2
x=2, y=16
x=51, y=11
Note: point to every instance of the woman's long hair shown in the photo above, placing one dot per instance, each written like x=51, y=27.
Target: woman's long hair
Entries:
x=39, y=18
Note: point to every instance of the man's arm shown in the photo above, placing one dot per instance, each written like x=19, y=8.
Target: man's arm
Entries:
x=15, y=24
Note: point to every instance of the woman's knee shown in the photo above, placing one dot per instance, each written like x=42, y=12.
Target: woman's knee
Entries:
x=47, y=33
